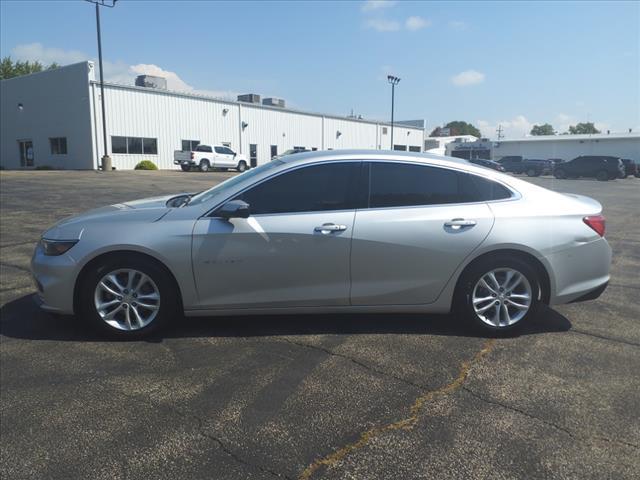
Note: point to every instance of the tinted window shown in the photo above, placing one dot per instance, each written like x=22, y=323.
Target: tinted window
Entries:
x=118, y=144
x=203, y=148
x=307, y=189
x=219, y=150
x=58, y=145
x=227, y=151
x=395, y=185
x=150, y=146
x=134, y=145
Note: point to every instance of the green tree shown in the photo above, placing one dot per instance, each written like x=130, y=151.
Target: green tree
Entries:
x=545, y=129
x=10, y=69
x=582, y=128
x=457, y=127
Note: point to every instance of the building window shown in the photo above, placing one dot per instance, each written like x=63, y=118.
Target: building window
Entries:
x=134, y=145
x=274, y=151
x=150, y=146
x=58, y=145
x=189, y=145
x=414, y=149
x=384, y=130
x=402, y=148
x=118, y=144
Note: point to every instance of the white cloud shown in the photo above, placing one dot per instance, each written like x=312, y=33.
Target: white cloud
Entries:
x=457, y=24
x=468, y=77
x=371, y=5
x=382, y=25
x=517, y=127
x=416, y=23
x=118, y=72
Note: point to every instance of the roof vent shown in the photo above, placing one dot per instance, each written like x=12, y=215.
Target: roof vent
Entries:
x=249, y=98
x=273, y=102
x=149, y=81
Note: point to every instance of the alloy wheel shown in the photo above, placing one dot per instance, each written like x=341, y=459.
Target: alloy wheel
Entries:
x=127, y=299
x=502, y=297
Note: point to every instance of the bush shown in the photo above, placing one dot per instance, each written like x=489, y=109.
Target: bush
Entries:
x=43, y=167
x=146, y=165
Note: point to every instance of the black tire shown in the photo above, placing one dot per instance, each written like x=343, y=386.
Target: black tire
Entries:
x=463, y=303
x=168, y=303
x=185, y=168
x=532, y=172
x=204, y=165
x=602, y=176
x=560, y=173
x=242, y=166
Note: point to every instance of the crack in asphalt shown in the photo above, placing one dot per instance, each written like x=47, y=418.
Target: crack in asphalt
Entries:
x=546, y=422
x=358, y=362
x=404, y=424
x=602, y=337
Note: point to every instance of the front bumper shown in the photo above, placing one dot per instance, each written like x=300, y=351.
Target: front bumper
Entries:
x=54, y=277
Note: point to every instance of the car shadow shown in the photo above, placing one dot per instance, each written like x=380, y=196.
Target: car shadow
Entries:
x=22, y=319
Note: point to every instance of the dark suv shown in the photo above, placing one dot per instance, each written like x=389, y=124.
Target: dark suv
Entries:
x=594, y=166
x=532, y=167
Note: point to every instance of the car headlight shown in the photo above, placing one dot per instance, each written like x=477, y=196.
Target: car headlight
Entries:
x=56, y=247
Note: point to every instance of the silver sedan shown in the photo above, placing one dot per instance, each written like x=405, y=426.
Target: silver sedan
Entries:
x=344, y=231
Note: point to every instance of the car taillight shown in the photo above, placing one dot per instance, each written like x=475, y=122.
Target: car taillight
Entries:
x=596, y=222
x=192, y=155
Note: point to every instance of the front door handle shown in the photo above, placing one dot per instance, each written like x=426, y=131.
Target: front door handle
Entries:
x=458, y=223
x=327, y=228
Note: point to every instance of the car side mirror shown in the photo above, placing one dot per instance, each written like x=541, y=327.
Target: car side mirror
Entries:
x=234, y=209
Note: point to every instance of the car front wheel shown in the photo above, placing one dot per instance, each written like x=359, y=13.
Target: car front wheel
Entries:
x=532, y=172
x=500, y=294
x=602, y=175
x=127, y=298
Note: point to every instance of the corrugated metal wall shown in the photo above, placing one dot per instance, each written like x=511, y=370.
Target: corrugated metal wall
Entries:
x=170, y=118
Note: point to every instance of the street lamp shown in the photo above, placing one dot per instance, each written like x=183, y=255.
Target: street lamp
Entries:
x=106, y=159
x=393, y=81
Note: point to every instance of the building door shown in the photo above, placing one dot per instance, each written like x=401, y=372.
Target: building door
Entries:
x=274, y=151
x=253, y=154
x=26, y=153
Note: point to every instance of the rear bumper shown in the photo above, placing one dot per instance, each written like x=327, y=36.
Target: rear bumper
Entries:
x=184, y=162
x=579, y=272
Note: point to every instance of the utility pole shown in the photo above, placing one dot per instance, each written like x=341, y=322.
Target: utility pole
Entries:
x=106, y=159
x=499, y=132
x=393, y=81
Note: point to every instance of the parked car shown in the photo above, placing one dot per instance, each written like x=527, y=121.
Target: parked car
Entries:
x=532, y=167
x=351, y=231
x=592, y=166
x=487, y=163
x=206, y=157
x=631, y=168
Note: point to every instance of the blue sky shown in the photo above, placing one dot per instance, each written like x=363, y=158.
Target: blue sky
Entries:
x=490, y=63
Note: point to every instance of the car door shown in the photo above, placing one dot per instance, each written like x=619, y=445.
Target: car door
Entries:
x=294, y=248
x=421, y=223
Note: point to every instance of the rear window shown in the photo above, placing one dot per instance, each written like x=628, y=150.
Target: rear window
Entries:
x=203, y=148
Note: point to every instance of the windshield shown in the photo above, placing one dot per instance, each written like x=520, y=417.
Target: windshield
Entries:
x=207, y=195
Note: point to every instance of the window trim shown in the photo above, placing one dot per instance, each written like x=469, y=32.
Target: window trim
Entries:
x=515, y=195
x=358, y=193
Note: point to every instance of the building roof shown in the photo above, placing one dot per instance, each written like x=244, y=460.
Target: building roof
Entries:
x=595, y=136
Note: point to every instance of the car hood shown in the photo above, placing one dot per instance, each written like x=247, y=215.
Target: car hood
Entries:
x=144, y=210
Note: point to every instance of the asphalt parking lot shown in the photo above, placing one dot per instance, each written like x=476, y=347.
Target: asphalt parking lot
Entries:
x=337, y=397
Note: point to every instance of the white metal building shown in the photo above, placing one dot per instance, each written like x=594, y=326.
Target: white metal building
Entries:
x=564, y=147
x=54, y=118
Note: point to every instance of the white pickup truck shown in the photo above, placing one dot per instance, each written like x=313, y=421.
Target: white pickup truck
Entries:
x=206, y=157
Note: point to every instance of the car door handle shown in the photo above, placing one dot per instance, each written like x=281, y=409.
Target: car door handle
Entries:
x=327, y=228
x=458, y=223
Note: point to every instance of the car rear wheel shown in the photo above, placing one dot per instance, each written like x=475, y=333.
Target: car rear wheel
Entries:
x=532, y=172
x=204, y=165
x=499, y=294
x=185, y=168
x=127, y=298
x=560, y=173
x=602, y=175
x=242, y=166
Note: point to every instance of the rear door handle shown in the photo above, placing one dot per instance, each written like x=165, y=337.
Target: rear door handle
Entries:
x=327, y=228
x=458, y=223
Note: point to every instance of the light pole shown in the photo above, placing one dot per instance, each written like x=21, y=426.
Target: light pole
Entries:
x=106, y=159
x=393, y=81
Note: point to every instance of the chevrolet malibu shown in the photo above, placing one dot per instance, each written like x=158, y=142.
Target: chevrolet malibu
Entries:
x=347, y=231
